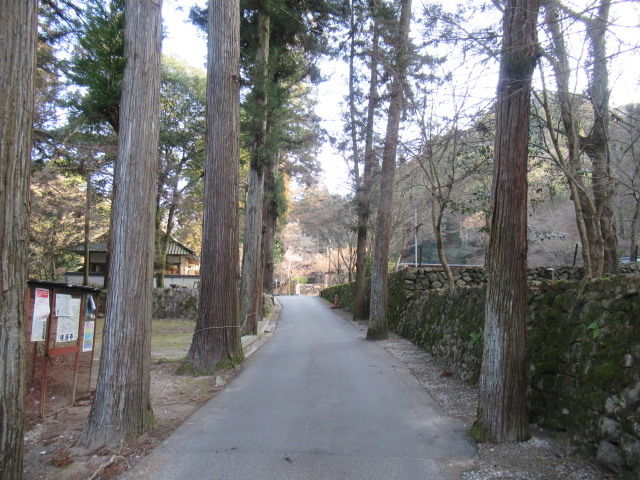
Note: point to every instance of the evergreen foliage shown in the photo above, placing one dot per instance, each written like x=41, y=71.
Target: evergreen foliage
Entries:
x=98, y=62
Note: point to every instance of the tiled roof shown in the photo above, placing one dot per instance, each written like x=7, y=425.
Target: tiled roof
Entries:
x=175, y=248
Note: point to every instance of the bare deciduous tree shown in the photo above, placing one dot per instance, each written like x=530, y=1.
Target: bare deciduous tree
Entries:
x=583, y=131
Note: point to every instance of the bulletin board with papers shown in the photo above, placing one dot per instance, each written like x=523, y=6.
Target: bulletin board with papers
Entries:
x=61, y=327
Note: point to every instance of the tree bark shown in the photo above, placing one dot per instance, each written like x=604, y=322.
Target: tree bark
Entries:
x=122, y=405
x=379, y=276
x=633, y=243
x=502, y=408
x=364, y=191
x=216, y=340
x=270, y=220
x=252, y=253
x=18, y=27
x=251, y=286
x=596, y=145
x=594, y=212
x=437, y=212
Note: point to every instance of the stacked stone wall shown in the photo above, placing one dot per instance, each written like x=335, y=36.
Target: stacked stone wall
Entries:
x=175, y=302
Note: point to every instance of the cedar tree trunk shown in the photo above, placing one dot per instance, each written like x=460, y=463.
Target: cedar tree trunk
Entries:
x=122, y=405
x=18, y=27
x=270, y=220
x=364, y=191
x=379, y=276
x=251, y=282
x=502, y=408
x=216, y=340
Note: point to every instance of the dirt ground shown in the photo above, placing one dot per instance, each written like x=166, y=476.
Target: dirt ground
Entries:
x=51, y=452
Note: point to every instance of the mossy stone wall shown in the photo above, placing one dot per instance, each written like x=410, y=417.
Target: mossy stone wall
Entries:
x=175, y=302
x=584, y=365
x=448, y=324
x=584, y=352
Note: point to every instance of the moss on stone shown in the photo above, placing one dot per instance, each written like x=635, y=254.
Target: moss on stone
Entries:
x=480, y=433
x=606, y=373
x=191, y=304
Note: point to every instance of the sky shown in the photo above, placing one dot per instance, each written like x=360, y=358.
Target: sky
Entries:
x=182, y=39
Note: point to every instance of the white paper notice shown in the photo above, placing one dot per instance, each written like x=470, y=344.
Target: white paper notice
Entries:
x=68, y=325
x=62, y=305
x=41, y=312
x=87, y=341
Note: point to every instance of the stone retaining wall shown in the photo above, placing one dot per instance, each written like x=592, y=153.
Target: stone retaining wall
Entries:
x=175, y=302
x=584, y=360
x=434, y=277
x=183, y=303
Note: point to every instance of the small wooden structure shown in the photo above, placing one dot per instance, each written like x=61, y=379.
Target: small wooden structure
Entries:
x=61, y=325
x=182, y=268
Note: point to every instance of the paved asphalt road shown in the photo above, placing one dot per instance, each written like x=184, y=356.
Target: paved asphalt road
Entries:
x=317, y=401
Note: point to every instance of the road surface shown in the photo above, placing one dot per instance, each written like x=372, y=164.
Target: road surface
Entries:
x=317, y=401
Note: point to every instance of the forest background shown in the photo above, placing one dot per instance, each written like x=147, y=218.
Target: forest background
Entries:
x=445, y=153
x=576, y=146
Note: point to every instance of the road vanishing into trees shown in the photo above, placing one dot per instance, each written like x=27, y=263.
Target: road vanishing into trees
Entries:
x=317, y=401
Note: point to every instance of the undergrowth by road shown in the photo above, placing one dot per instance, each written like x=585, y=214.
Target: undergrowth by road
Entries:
x=51, y=451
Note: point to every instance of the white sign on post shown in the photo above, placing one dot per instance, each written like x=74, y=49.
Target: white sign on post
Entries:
x=41, y=311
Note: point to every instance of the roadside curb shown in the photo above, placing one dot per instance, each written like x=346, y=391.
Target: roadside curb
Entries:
x=265, y=329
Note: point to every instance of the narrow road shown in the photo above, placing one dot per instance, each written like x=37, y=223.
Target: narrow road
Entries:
x=317, y=401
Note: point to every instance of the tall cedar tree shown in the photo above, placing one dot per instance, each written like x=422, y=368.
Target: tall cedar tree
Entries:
x=18, y=27
x=288, y=50
x=282, y=60
x=380, y=274
x=251, y=281
x=502, y=408
x=98, y=64
x=122, y=405
x=216, y=341
x=363, y=185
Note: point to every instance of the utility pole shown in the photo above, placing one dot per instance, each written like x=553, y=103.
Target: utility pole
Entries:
x=328, y=274
x=415, y=236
